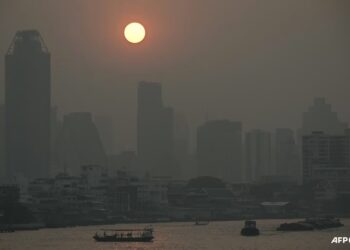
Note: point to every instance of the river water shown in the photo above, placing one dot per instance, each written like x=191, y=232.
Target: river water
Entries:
x=180, y=236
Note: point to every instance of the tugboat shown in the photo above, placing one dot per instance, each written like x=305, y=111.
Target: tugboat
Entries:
x=125, y=235
x=250, y=229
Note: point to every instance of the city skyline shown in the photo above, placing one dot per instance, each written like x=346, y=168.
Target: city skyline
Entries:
x=145, y=119
x=76, y=140
x=231, y=80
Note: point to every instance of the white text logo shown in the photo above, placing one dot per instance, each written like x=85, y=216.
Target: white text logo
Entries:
x=340, y=240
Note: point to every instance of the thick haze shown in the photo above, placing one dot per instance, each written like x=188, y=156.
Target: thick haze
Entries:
x=259, y=62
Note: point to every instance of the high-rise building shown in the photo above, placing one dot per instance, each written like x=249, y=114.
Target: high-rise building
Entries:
x=56, y=127
x=219, y=150
x=105, y=128
x=320, y=117
x=27, y=69
x=258, y=154
x=80, y=143
x=286, y=153
x=168, y=166
x=155, y=131
x=2, y=144
x=326, y=157
x=182, y=147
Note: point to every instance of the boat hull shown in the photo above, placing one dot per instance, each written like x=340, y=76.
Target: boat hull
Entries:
x=296, y=226
x=311, y=224
x=123, y=239
x=250, y=232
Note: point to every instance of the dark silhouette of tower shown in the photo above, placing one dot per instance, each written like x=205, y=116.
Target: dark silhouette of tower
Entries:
x=2, y=143
x=326, y=157
x=286, y=153
x=27, y=69
x=321, y=117
x=182, y=146
x=258, y=154
x=219, y=149
x=105, y=128
x=155, y=131
x=80, y=143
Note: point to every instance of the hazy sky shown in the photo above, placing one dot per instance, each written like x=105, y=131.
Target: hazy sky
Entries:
x=257, y=61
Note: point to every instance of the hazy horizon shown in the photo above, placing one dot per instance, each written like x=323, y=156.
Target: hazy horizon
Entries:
x=261, y=63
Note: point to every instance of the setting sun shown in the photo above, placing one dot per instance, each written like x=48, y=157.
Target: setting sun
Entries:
x=134, y=32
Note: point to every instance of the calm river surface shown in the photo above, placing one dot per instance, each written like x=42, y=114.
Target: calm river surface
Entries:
x=176, y=236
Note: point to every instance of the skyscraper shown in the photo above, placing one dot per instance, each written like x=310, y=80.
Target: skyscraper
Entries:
x=182, y=147
x=286, y=153
x=326, y=157
x=105, y=128
x=219, y=150
x=320, y=117
x=56, y=127
x=258, y=154
x=80, y=143
x=155, y=131
x=27, y=69
x=2, y=143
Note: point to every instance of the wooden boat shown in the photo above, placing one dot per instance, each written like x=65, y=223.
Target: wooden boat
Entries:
x=250, y=229
x=125, y=235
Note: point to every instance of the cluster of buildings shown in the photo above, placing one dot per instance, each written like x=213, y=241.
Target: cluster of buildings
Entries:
x=69, y=164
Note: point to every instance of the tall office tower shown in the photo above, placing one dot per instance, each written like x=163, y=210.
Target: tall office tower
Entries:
x=326, y=157
x=286, y=153
x=105, y=128
x=27, y=94
x=168, y=166
x=80, y=143
x=2, y=144
x=155, y=131
x=56, y=126
x=181, y=147
x=258, y=154
x=219, y=150
x=320, y=117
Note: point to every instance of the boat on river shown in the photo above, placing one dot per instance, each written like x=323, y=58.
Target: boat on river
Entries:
x=125, y=235
x=250, y=229
x=309, y=224
x=295, y=226
x=324, y=222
